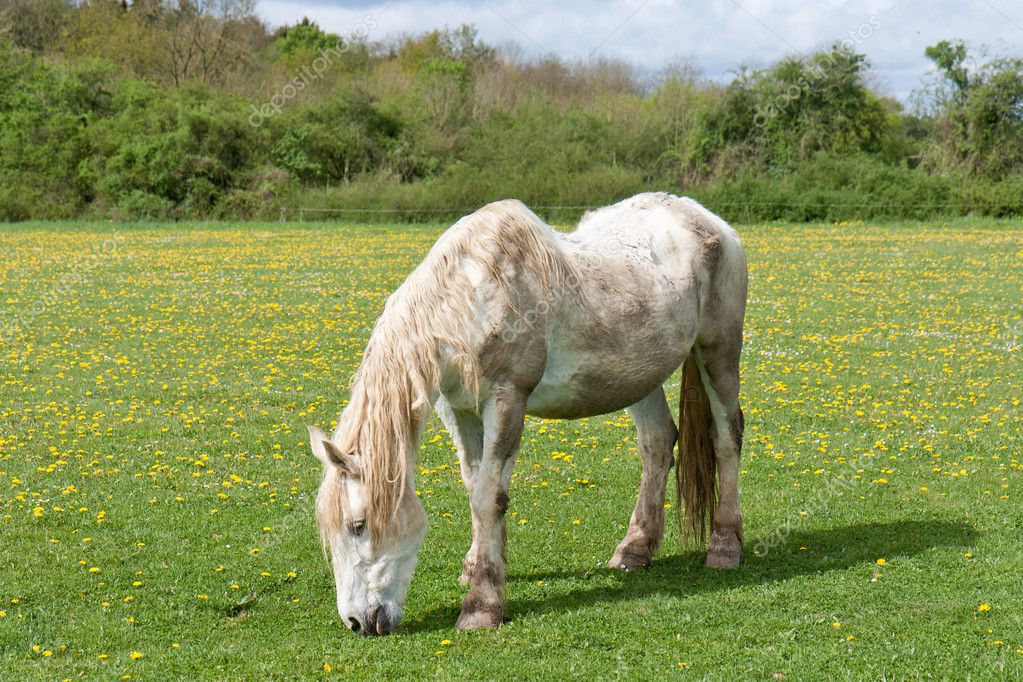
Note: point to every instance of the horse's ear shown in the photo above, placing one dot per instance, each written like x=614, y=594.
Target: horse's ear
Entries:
x=330, y=455
x=316, y=440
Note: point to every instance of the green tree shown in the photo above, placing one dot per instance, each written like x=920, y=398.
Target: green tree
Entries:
x=950, y=56
x=978, y=127
x=305, y=38
x=34, y=24
x=784, y=115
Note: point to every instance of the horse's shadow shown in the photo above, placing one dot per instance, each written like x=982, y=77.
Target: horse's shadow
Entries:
x=683, y=575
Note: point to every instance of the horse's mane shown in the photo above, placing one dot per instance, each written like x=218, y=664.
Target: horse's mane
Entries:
x=430, y=314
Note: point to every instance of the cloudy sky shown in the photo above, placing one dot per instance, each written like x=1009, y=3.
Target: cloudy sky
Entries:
x=718, y=35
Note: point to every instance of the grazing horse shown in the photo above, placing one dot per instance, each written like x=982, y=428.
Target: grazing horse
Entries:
x=506, y=317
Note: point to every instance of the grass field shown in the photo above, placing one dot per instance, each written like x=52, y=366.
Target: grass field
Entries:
x=156, y=485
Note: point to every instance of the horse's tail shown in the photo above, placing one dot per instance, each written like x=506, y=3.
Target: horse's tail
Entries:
x=696, y=471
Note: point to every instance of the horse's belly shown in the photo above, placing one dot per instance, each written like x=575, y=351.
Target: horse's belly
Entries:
x=583, y=383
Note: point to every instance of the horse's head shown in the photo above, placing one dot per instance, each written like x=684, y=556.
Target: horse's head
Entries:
x=373, y=551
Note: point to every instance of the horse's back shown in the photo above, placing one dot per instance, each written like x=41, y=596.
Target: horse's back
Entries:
x=652, y=218
x=684, y=243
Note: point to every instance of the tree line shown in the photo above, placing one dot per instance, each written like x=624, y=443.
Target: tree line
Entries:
x=196, y=109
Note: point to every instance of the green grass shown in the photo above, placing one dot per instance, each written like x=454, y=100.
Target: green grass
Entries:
x=153, y=405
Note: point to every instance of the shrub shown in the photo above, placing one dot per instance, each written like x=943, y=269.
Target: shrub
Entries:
x=140, y=205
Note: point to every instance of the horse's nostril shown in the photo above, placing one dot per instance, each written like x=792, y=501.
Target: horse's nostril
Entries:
x=376, y=622
x=354, y=625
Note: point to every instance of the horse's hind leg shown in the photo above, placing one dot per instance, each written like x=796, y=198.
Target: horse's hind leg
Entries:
x=721, y=363
x=656, y=435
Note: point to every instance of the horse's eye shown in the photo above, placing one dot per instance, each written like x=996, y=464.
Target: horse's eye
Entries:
x=357, y=527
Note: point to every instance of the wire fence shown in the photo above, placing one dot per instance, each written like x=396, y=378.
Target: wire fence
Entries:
x=748, y=207
x=300, y=211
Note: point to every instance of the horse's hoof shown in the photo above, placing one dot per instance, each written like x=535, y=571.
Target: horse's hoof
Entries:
x=628, y=559
x=479, y=620
x=722, y=560
x=725, y=550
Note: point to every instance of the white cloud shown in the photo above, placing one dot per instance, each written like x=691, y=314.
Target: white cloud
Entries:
x=719, y=35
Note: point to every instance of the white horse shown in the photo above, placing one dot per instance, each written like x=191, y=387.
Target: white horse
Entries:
x=506, y=317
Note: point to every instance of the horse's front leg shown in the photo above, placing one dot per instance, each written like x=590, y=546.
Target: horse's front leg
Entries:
x=503, y=417
x=466, y=429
